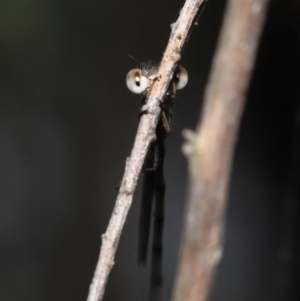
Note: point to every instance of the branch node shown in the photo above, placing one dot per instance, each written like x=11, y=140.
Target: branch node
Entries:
x=124, y=190
x=188, y=147
x=104, y=237
x=144, y=109
x=110, y=265
x=153, y=138
x=176, y=56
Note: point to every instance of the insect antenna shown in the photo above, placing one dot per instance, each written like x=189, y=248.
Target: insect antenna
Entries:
x=139, y=64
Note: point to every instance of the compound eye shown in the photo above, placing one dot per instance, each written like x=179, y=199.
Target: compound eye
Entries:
x=181, y=77
x=135, y=81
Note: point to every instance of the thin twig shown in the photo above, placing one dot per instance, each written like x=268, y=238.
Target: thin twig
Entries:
x=210, y=149
x=145, y=135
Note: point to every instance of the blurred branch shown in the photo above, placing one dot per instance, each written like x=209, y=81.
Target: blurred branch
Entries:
x=210, y=148
x=145, y=135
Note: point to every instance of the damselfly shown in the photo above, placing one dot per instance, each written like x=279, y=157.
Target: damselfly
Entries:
x=139, y=81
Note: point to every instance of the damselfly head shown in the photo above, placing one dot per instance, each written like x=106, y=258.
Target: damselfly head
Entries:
x=137, y=80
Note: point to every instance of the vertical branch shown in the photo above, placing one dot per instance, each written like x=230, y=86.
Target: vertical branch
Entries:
x=145, y=135
x=210, y=149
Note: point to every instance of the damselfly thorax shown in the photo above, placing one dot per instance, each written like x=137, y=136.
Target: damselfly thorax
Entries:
x=140, y=81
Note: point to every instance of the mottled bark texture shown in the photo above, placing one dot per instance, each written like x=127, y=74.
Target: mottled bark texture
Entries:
x=210, y=148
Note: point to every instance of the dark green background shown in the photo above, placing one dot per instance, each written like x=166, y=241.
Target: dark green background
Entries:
x=67, y=123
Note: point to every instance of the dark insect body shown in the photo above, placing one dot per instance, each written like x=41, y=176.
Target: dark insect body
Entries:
x=140, y=81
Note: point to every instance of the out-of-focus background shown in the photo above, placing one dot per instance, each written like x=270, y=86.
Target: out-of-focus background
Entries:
x=67, y=124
